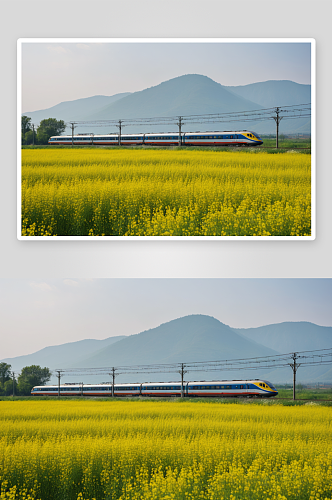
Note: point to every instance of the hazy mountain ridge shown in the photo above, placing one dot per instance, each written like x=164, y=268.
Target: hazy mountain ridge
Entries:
x=182, y=96
x=78, y=109
x=290, y=336
x=59, y=356
x=191, y=338
x=274, y=93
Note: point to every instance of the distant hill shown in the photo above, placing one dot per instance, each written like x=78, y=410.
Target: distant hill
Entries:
x=79, y=109
x=290, y=336
x=183, y=96
x=278, y=93
x=190, y=339
x=274, y=93
x=58, y=356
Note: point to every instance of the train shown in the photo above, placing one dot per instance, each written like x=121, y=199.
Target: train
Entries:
x=223, y=388
x=226, y=138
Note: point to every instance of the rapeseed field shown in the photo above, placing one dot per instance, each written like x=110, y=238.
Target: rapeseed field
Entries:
x=103, y=192
x=162, y=450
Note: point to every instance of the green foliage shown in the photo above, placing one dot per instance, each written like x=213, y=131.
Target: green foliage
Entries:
x=49, y=127
x=25, y=126
x=30, y=137
x=8, y=387
x=31, y=376
x=42, y=136
x=5, y=373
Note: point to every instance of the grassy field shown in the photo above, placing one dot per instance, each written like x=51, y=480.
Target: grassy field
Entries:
x=116, y=192
x=303, y=393
x=287, y=143
x=162, y=450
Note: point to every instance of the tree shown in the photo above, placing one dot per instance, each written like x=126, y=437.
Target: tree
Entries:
x=8, y=387
x=49, y=127
x=31, y=376
x=30, y=137
x=25, y=126
x=5, y=373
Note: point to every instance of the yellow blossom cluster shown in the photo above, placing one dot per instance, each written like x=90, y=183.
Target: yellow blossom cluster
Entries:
x=103, y=192
x=163, y=450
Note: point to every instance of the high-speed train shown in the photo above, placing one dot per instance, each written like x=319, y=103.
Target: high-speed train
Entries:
x=223, y=388
x=228, y=138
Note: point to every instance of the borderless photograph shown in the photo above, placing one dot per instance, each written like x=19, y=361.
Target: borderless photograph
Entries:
x=160, y=389
x=166, y=139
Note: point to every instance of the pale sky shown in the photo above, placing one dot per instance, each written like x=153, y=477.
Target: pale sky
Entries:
x=39, y=313
x=57, y=72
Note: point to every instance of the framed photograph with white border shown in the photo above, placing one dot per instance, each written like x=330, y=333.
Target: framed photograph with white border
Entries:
x=166, y=139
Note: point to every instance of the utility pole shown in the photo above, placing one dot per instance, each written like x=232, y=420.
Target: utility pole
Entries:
x=119, y=127
x=277, y=119
x=294, y=366
x=113, y=380
x=179, y=124
x=59, y=377
x=72, y=133
x=182, y=372
x=13, y=384
x=33, y=134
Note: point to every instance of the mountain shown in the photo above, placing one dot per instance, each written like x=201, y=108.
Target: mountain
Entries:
x=182, y=96
x=290, y=336
x=278, y=93
x=274, y=93
x=58, y=356
x=191, y=338
x=195, y=338
x=79, y=109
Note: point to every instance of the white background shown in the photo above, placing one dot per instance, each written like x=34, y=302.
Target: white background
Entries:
x=165, y=18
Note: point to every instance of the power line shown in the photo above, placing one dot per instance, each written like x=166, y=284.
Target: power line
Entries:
x=289, y=112
x=308, y=358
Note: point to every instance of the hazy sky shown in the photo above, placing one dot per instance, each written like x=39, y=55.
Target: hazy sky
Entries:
x=57, y=72
x=36, y=314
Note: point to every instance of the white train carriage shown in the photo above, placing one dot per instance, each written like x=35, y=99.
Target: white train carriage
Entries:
x=231, y=388
x=127, y=389
x=230, y=138
x=222, y=388
x=161, y=389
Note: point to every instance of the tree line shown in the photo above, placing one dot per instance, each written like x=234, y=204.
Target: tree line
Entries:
x=47, y=128
x=28, y=378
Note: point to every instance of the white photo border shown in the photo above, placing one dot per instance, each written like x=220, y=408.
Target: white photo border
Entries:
x=312, y=42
